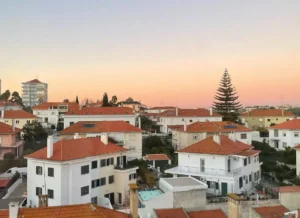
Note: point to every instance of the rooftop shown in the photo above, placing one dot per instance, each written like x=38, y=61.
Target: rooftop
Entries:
x=47, y=105
x=284, y=189
x=171, y=213
x=209, y=146
x=8, y=129
x=207, y=214
x=291, y=124
x=182, y=181
x=181, y=184
x=100, y=126
x=157, y=157
x=162, y=108
x=271, y=211
x=7, y=103
x=269, y=112
x=181, y=213
x=102, y=111
x=4, y=182
x=72, y=149
x=198, y=112
x=34, y=81
x=20, y=114
x=69, y=211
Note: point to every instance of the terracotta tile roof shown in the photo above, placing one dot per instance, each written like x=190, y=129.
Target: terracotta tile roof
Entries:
x=20, y=114
x=8, y=103
x=72, y=149
x=271, y=211
x=68, y=211
x=199, y=112
x=209, y=146
x=162, y=108
x=289, y=189
x=248, y=153
x=4, y=182
x=100, y=126
x=219, y=126
x=34, y=81
x=157, y=157
x=171, y=213
x=207, y=214
x=297, y=146
x=47, y=105
x=7, y=129
x=269, y=113
x=102, y=111
x=291, y=124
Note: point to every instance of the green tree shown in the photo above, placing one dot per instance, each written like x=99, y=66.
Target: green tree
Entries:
x=113, y=101
x=226, y=100
x=15, y=98
x=130, y=99
x=8, y=156
x=34, y=131
x=146, y=123
x=77, y=101
x=5, y=96
x=105, y=102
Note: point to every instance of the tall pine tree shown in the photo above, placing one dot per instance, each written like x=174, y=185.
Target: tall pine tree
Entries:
x=226, y=100
x=77, y=101
x=105, y=102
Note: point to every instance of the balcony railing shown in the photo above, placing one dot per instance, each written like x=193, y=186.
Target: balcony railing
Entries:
x=203, y=171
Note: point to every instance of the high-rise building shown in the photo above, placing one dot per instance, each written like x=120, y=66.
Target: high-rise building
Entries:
x=34, y=92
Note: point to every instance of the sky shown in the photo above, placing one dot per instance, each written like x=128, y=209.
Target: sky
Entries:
x=161, y=52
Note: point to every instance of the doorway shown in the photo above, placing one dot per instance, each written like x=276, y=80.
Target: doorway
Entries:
x=224, y=188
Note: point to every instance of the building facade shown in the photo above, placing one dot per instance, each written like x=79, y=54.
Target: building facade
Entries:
x=78, y=171
x=158, y=110
x=195, y=132
x=34, y=92
x=125, y=134
x=100, y=114
x=19, y=118
x=225, y=164
x=7, y=105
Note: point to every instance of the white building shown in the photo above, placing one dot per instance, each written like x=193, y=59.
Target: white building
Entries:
x=78, y=171
x=180, y=117
x=158, y=110
x=7, y=105
x=125, y=134
x=34, y=92
x=100, y=114
x=285, y=134
x=225, y=164
x=52, y=113
x=195, y=132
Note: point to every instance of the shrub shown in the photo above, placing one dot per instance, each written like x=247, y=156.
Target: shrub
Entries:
x=8, y=156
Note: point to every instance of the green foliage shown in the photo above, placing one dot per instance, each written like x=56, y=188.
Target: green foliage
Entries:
x=130, y=99
x=226, y=97
x=295, y=110
x=60, y=126
x=8, y=156
x=5, y=96
x=105, y=102
x=156, y=145
x=15, y=98
x=7, y=164
x=34, y=131
x=147, y=124
x=31, y=146
x=113, y=101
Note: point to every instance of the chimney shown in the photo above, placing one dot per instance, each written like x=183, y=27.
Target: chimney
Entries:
x=76, y=136
x=133, y=200
x=184, y=126
x=13, y=125
x=216, y=138
x=104, y=139
x=43, y=200
x=231, y=136
x=211, y=111
x=177, y=112
x=49, y=146
x=2, y=114
x=282, y=112
x=234, y=206
x=13, y=209
x=140, y=123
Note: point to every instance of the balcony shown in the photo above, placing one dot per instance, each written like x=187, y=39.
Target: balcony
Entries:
x=197, y=171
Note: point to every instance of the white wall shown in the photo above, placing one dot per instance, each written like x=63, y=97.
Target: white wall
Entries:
x=52, y=115
x=290, y=139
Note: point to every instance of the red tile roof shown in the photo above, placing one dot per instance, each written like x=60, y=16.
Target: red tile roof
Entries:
x=162, y=108
x=268, y=113
x=291, y=124
x=207, y=214
x=248, y=153
x=219, y=126
x=283, y=189
x=102, y=111
x=100, y=126
x=297, y=146
x=18, y=114
x=157, y=157
x=171, y=213
x=8, y=103
x=7, y=129
x=34, y=81
x=72, y=149
x=47, y=105
x=199, y=112
x=68, y=211
x=271, y=211
x=209, y=146
x=4, y=182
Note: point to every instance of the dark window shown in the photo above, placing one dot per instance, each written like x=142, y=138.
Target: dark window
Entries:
x=103, y=163
x=191, y=121
x=112, y=161
x=249, y=160
x=50, y=194
x=132, y=176
x=94, y=164
x=84, y=190
x=111, y=179
x=250, y=178
x=241, y=182
x=245, y=162
x=97, y=182
x=119, y=198
x=50, y=172
x=118, y=161
x=38, y=191
x=85, y=169
x=208, y=184
x=71, y=123
x=269, y=120
x=94, y=200
x=108, y=162
x=102, y=181
x=243, y=136
x=39, y=170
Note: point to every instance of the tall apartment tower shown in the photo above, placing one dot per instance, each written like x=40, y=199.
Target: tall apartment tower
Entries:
x=34, y=92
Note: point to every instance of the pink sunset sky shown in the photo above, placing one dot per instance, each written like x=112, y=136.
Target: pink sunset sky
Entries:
x=168, y=53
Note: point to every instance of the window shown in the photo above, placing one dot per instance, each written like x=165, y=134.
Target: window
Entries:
x=131, y=148
x=296, y=134
x=84, y=190
x=276, y=144
x=250, y=178
x=195, y=137
x=46, y=119
x=191, y=121
x=245, y=162
x=284, y=133
x=39, y=170
x=38, y=191
x=249, y=160
x=84, y=169
x=243, y=136
x=103, y=163
x=94, y=200
x=284, y=144
x=50, y=172
x=102, y=181
x=71, y=123
x=17, y=121
x=95, y=183
x=208, y=184
x=246, y=179
x=269, y=120
x=111, y=179
x=132, y=176
x=241, y=182
x=119, y=198
x=50, y=194
x=94, y=164
x=182, y=119
x=276, y=133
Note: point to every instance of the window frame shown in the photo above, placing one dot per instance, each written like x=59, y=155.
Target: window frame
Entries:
x=49, y=195
x=111, y=179
x=87, y=167
x=83, y=191
x=95, y=162
x=50, y=168
x=37, y=193
x=37, y=171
